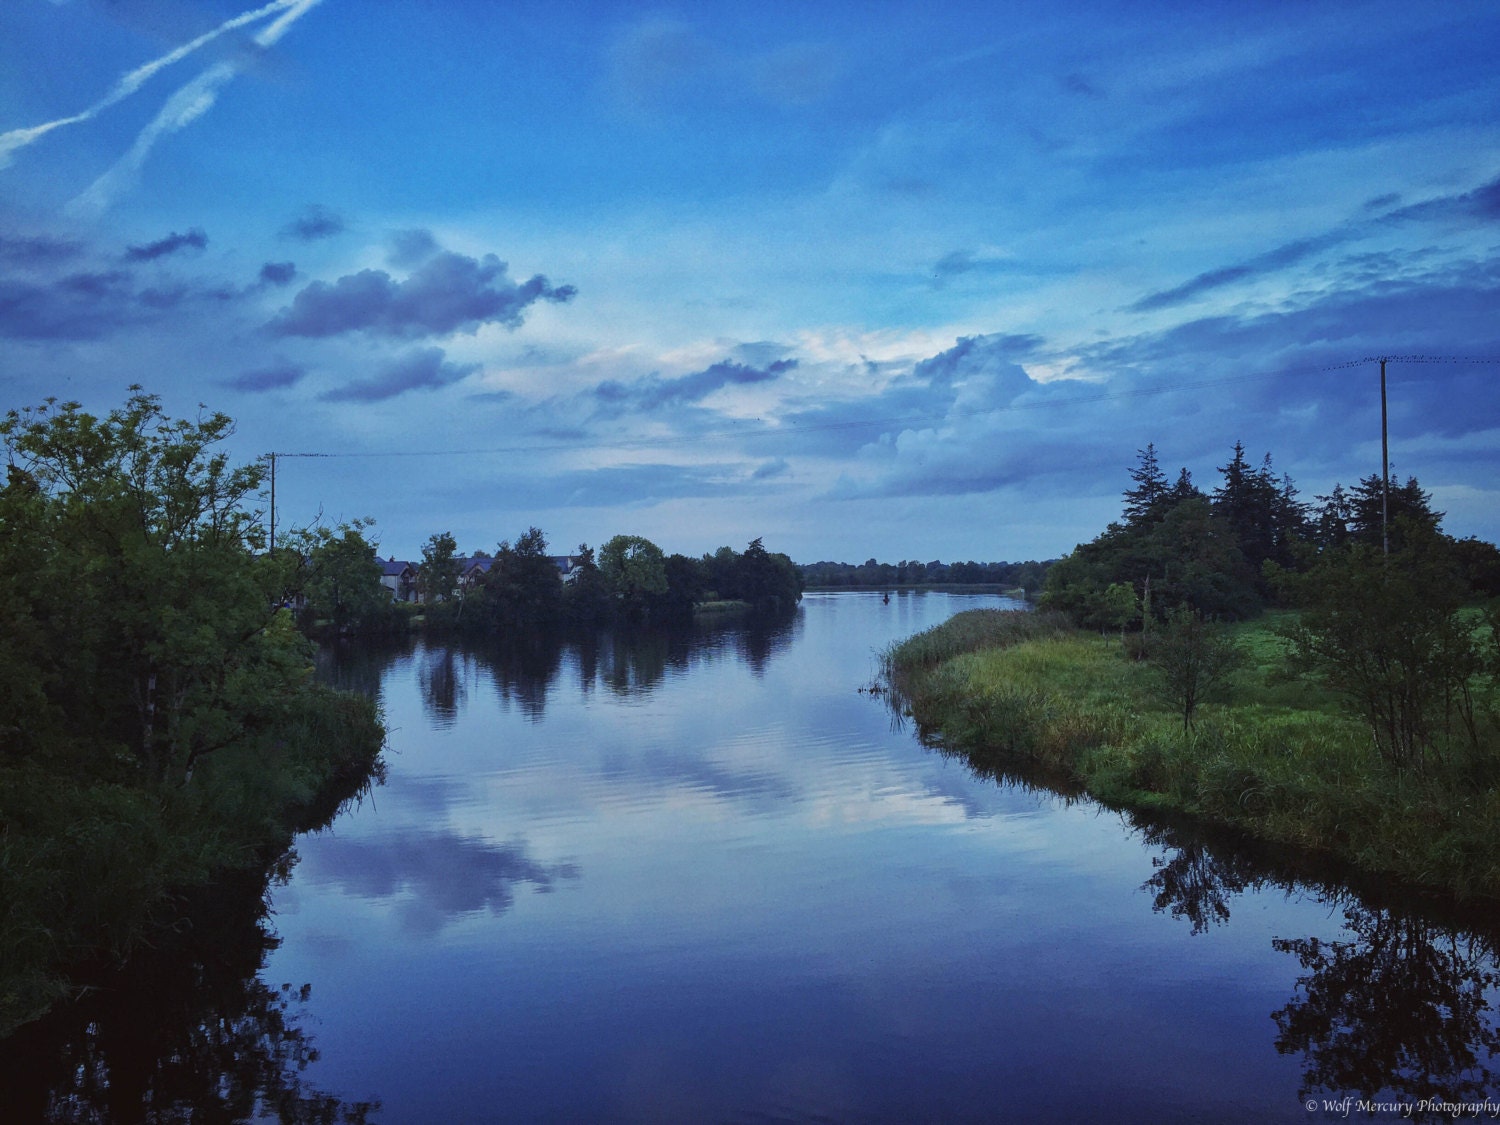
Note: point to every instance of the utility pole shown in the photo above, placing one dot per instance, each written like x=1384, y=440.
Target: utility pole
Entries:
x=1385, y=467
x=271, y=457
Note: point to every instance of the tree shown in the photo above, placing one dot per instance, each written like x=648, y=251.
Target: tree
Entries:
x=437, y=573
x=1150, y=495
x=147, y=622
x=1192, y=660
x=586, y=595
x=343, y=579
x=1120, y=607
x=635, y=571
x=769, y=582
x=1386, y=633
x=522, y=588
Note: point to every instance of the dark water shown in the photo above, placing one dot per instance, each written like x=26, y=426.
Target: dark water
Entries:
x=702, y=878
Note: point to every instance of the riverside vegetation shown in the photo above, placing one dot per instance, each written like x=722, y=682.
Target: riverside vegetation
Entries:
x=160, y=727
x=1281, y=675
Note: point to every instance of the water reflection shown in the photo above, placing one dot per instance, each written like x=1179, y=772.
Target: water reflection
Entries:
x=1397, y=1008
x=1401, y=1009
x=1193, y=881
x=526, y=670
x=443, y=688
x=188, y=1033
x=440, y=876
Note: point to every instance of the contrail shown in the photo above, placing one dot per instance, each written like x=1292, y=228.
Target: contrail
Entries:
x=133, y=81
x=188, y=104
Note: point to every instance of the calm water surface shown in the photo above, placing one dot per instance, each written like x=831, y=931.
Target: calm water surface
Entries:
x=703, y=878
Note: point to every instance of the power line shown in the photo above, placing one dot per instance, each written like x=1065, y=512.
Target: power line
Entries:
x=858, y=423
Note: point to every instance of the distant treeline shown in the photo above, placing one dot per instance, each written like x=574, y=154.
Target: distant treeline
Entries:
x=1028, y=576
x=521, y=587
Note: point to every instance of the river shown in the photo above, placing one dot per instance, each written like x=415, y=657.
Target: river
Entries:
x=706, y=877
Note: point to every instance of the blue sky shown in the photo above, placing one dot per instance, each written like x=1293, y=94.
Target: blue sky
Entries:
x=879, y=279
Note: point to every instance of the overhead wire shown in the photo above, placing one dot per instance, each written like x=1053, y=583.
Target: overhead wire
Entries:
x=771, y=430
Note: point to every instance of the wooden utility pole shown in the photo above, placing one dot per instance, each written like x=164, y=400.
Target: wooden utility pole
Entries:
x=271, y=457
x=1385, y=467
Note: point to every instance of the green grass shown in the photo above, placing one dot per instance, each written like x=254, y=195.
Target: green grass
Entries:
x=1280, y=759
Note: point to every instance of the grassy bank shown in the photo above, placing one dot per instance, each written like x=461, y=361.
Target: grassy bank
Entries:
x=91, y=869
x=1280, y=760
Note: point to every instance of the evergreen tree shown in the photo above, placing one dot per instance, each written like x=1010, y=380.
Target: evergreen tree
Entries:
x=1184, y=489
x=1150, y=496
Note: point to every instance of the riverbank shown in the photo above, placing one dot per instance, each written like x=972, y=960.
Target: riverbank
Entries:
x=1280, y=761
x=93, y=869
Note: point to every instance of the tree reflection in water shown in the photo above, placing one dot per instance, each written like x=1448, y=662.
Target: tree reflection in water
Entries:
x=188, y=1032
x=1398, y=1008
x=1194, y=882
x=1401, y=1009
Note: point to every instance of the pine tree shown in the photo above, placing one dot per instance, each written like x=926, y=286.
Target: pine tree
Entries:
x=1148, y=499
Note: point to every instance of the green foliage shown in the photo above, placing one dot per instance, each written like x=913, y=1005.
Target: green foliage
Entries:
x=342, y=584
x=1191, y=659
x=437, y=573
x=1027, y=576
x=586, y=597
x=1283, y=761
x=521, y=590
x=142, y=653
x=1386, y=633
x=635, y=571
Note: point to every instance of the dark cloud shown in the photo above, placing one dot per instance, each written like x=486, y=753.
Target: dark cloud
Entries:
x=655, y=392
x=449, y=293
x=278, y=273
x=80, y=306
x=270, y=378
x=1287, y=254
x=1486, y=200
x=194, y=239
x=770, y=469
x=1482, y=203
x=37, y=252
x=410, y=248
x=314, y=223
x=424, y=369
x=984, y=357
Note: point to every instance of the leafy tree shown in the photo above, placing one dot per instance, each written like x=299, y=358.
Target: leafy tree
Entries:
x=522, y=588
x=146, y=620
x=1192, y=660
x=586, y=595
x=1387, y=634
x=343, y=579
x=685, y=587
x=437, y=573
x=1120, y=607
x=635, y=571
x=768, y=581
x=157, y=718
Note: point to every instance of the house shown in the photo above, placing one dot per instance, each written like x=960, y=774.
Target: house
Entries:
x=472, y=571
x=399, y=577
x=567, y=565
